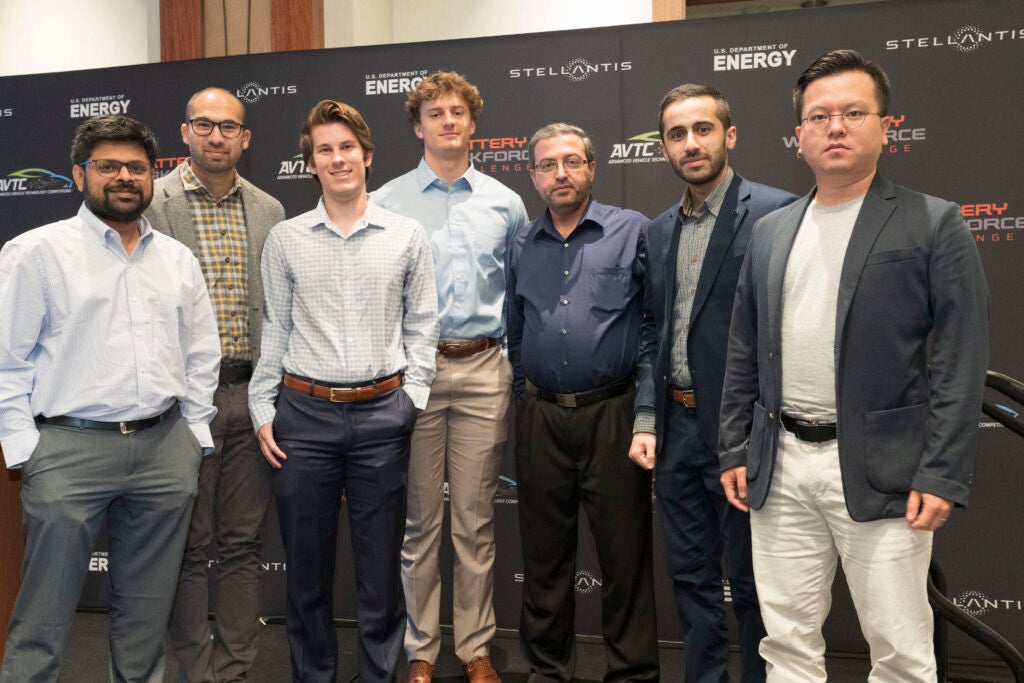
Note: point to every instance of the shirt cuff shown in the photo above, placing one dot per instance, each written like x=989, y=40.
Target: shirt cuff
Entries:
x=644, y=421
x=261, y=414
x=19, y=446
x=418, y=393
x=201, y=431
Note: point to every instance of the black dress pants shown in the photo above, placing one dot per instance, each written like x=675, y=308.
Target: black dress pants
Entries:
x=565, y=457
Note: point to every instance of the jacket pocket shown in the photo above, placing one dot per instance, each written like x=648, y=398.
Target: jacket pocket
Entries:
x=755, y=446
x=893, y=444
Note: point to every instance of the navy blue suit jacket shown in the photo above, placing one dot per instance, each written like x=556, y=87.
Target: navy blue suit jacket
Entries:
x=745, y=202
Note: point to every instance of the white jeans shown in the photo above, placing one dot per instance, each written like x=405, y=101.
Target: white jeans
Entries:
x=797, y=536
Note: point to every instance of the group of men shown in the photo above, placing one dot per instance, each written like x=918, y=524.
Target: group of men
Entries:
x=774, y=379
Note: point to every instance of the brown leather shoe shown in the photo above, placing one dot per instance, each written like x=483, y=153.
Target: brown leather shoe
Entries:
x=480, y=670
x=419, y=672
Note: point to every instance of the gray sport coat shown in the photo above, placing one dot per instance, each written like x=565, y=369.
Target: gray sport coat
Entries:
x=912, y=294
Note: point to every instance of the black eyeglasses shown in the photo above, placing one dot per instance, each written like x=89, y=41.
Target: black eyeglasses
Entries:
x=571, y=164
x=820, y=120
x=228, y=128
x=109, y=168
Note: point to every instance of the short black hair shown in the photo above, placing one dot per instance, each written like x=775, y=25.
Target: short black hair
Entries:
x=111, y=128
x=837, y=62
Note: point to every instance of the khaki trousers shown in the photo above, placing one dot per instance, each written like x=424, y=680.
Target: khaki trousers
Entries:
x=464, y=427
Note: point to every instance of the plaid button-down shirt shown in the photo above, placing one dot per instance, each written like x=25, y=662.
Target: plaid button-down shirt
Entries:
x=223, y=257
x=697, y=224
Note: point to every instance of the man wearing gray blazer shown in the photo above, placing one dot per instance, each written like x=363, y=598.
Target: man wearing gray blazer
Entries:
x=224, y=220
x=854, y=376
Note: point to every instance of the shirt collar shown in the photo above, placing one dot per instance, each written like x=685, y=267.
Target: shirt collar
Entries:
x=425, y=177
x=714, y=201
x=592, y=215
x=372, y=218
x=104, y=232
x=191, y=181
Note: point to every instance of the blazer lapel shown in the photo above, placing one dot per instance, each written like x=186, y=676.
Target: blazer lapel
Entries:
x=878, y=206
x=668, y=305
x=730, y=215
x=782, y=243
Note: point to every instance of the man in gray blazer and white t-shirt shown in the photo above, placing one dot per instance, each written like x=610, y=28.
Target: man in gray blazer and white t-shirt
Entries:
x=853, y=384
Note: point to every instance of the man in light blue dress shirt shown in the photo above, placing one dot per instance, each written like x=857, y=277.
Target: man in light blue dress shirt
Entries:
x=349, y=331
x=470, y=219
x=108, y=362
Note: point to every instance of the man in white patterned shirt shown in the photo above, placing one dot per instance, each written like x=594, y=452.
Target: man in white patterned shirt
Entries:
x=108, y=364
x=350, y=310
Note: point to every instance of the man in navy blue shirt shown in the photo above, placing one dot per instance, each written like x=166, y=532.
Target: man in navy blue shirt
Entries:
x=575, y=303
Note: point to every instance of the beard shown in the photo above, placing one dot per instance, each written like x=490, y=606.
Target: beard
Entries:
x=117, y=210
x=716, y=162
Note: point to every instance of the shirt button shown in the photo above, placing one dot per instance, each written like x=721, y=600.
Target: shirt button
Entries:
x=564, y=331
x=227, y=259
x=565, y=363
x=223, y=232
x=236, y=338
x=565, y=273
x=230, y=287
x=565, y=244
x=232, y=314
x=565, y=302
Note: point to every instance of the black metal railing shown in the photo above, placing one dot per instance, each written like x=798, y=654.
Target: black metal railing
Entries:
x=946, y=612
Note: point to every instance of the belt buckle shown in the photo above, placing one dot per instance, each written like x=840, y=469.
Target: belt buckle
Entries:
x=566, y=400
x=340, y=390
x=124, y=428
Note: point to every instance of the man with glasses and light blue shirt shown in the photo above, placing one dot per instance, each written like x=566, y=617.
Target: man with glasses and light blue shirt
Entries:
x=108, y=364
x=470, y=219
x=224, y=219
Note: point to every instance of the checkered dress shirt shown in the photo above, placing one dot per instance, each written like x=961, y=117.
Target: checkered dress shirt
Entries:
x=343, y=310
x=697, y=224
x=223, y=257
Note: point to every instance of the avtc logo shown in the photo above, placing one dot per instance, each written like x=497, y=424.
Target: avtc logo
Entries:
x=576, y=69
x=977, y=604
x=252, y=92
x=639, y=149
x=293, y=169
x=586, y=582
x=964, y=40
x=33, y=181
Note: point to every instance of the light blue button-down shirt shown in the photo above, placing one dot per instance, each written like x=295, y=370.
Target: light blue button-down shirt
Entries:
x=470, y=223
x=89, y=331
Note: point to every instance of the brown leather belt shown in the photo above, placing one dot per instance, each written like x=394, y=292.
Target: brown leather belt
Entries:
x=345, y=394
x=684, y=396
x=466, y=349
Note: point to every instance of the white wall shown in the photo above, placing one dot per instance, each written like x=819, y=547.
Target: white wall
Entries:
x=37, y=36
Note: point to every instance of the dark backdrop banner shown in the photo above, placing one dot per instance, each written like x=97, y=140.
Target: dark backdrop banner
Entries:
x=957, y=79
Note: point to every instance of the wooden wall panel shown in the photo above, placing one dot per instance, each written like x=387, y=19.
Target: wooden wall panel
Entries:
x=181, y=30
x=12, y=546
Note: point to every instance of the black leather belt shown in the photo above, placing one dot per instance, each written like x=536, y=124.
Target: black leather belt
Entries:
x=805, y=430
x=233, y=373
x=581, y=398
x=124, y=427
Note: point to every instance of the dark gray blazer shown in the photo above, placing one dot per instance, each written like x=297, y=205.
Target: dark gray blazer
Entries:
x=912, y=293
x=169, y=213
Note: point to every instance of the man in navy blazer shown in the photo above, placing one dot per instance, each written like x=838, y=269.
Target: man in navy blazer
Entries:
x=696, y=249
x=853, y=386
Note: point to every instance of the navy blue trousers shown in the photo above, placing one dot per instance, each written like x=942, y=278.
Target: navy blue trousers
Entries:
x=361, y=450
x=700, y=529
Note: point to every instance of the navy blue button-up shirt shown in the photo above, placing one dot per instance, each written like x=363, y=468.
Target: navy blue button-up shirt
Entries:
x=575, y=304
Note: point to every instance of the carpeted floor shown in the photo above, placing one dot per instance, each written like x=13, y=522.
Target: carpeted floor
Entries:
x=86, y=659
